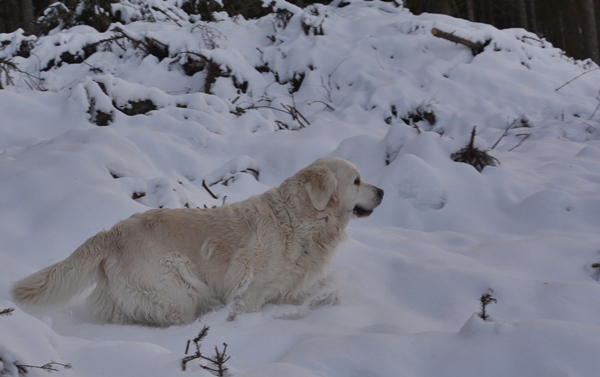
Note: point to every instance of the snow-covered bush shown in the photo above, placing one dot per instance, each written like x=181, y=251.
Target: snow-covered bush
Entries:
x=68, y=13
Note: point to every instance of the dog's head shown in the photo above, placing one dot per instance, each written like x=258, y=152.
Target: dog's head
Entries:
x=336, y=180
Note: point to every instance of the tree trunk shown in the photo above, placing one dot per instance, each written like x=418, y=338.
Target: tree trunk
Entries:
x=11, y=16
x=561, y=27
x=28, y=16
x=470, y=10
x=445, y=8
x=522, y=14
x=590, y=34
x=490, y=12
x=533, y=17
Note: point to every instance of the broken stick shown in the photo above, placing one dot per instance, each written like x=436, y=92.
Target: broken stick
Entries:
x=476, y=47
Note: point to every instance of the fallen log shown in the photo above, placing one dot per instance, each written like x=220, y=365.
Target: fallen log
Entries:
x=476, y=47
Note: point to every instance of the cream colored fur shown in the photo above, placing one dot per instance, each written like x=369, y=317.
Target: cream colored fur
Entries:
x=168, y=266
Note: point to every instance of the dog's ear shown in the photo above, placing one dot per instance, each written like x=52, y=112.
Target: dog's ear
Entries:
x=320, y=185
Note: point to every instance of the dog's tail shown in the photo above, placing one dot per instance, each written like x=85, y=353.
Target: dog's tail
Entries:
x=58, y=283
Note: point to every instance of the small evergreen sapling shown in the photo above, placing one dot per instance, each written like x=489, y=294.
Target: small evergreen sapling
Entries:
x=473, y=156
x=485, y=300
x=218, y=360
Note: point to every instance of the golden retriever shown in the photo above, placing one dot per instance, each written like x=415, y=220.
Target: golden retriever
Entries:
x=168, y=266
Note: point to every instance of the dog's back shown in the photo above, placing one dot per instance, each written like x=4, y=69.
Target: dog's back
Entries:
x=133, y=284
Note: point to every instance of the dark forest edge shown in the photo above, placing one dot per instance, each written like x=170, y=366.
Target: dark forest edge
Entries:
x=569, y=25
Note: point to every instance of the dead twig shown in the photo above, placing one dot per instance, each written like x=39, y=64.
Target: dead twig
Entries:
x=578, y=76
x=187, y=347
x=210, y=35
x=329, y=79
x=288, y=109
x=296, y=115
x=505, y=133
x=520, y=142
x=532, y=38
x=597, y=107
x=149, y=46
x=327, y=106
x=255, y=173
x=281, y=125
x=48, y=367
x=167, y=15
x=327, y=90
x=208, y=190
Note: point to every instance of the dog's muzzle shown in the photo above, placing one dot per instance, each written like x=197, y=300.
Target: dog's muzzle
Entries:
x=361, y=211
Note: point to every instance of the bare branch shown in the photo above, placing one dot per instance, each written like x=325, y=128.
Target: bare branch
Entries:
x=167, y=15
x=327, y=106
x=208, y=190
x=505, y=133
x=48, y=367
x=570, y=81
x=597, y=107
x=520, y=142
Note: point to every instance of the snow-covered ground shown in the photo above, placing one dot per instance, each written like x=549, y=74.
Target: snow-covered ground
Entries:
x=409, y=278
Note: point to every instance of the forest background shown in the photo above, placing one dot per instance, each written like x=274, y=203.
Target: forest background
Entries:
x=571, y=25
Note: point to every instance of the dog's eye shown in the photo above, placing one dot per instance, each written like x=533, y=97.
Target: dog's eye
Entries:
x=357, y=181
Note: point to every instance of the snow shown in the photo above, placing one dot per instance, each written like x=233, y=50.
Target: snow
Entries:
x=408, y=278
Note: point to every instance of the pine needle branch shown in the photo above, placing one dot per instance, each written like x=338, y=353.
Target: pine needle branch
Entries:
x=7, y=312
x=7, y=66
x=197, y=355
x=219, y=360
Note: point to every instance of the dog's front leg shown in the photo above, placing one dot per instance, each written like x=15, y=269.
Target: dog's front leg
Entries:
x=247, y=303
x=237, y=307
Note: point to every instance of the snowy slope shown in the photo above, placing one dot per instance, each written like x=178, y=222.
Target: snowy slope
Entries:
x=98, y=126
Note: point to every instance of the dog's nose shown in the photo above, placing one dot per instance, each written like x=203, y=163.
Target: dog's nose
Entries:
x=380, y=193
